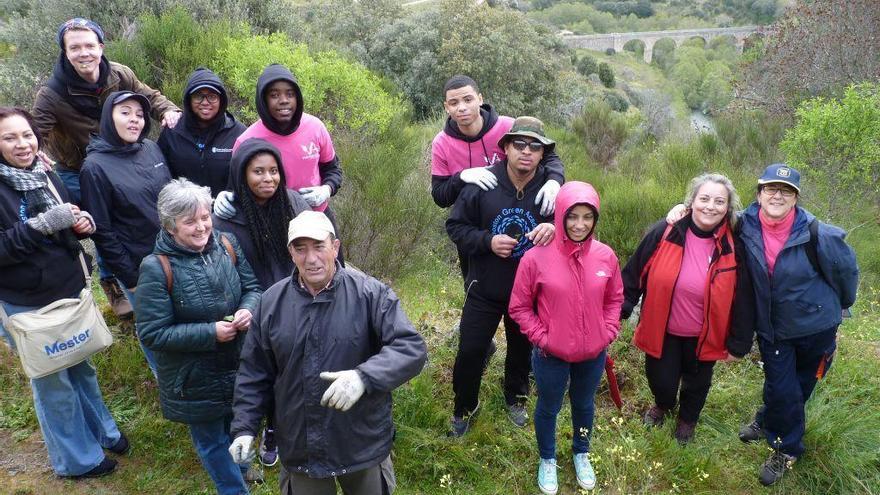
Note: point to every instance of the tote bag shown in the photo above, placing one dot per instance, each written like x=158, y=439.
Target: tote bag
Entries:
x=61, y=334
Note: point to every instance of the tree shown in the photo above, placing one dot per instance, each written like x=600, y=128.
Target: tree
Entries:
x=716, y=89
x=837, y=144
x=688, y=79
x=817, y=49
x=606, y=75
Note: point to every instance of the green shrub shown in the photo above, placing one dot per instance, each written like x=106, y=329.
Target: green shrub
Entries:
x=750, y=138
x=606, y=75
x=602, y=130
x=837, y=144
x=587, y=65
x=615, y=100
x=345, y=95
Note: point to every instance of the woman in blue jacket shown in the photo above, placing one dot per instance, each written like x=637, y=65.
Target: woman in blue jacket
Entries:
x=39, y=260
x=196, y=296
x=804, y=276
x=120, y=182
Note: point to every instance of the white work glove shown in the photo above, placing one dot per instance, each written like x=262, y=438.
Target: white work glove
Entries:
x=346, y=389
x=479, y=176
x=223, y=205
x=242, y=450
x=547, y=197
x=316, y=195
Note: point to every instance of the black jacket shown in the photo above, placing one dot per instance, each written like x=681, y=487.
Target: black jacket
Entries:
x=446, y=188
x=357, y=323
x=35, y=270
x=120, y=186
x=479, y=215
x=196, y=373
x=268, y=269
x=200, y=154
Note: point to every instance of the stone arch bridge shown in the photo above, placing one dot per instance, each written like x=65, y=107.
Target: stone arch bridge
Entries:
x=602, y=42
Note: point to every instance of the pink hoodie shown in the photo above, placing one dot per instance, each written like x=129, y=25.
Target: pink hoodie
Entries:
x=576, y=288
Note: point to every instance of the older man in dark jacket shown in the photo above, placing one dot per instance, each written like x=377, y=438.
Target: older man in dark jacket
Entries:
x=325, y=325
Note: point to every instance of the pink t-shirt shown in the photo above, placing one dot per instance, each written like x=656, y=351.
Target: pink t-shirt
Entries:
x=775, y=234
x=450, y=155
x=301, y=152
x=686, y=312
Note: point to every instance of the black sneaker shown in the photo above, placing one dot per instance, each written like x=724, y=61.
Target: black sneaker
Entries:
x=774, y=467
x=654, y=416
x=106, y=467
x=459, y=425
x=684, y=431
x=751, y=432
x=517, y=415
x=122, y=446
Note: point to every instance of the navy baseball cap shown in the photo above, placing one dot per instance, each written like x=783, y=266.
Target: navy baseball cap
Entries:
x=81, y=23
x=782, y=173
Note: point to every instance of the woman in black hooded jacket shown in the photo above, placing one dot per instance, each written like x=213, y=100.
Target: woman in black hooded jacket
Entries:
x=200, y=148
x=120, y=182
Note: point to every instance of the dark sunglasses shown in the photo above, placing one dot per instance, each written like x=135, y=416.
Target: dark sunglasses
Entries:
x=520, y=145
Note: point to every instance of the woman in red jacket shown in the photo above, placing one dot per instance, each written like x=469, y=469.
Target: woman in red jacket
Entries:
x=567, y=298
x=686, y=275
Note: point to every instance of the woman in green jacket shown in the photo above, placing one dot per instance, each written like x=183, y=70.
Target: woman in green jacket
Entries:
x=196, y=295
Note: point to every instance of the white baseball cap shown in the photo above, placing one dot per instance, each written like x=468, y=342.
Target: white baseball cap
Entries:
x=312, y=224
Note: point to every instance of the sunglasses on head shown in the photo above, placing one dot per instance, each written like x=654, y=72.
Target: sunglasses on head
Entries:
x=520, y=145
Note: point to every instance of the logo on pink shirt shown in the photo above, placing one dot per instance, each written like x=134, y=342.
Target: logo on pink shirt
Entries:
x=311, y=151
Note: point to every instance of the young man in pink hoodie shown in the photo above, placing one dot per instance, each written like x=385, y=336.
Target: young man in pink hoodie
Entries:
x=467, y=146
x=567, y=298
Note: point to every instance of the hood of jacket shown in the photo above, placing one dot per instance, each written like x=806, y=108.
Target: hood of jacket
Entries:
x=202, y=77
x=571, y=194
x=272, y=73
x=490, y=116
x=107, y=140
x=238, y=166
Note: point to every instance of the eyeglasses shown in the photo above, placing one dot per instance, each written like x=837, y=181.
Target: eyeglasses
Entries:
x=211, y=97
x=520, y=145
x=772, y=190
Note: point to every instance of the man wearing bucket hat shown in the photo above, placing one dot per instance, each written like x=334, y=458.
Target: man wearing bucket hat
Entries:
x=494, y=228
x=804, y=276
x=67, y=110
x=463, y=151
x=330, y=344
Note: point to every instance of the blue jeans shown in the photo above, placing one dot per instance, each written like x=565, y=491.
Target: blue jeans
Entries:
x=791, y=369
x=75, y=422
x=211, y=440
x=551, y=378
x=151, y=359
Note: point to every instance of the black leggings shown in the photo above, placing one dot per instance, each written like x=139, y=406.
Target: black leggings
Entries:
x=479, y=321
x=678, y=363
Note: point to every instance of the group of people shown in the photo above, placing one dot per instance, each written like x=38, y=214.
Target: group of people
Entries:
x=221, y=239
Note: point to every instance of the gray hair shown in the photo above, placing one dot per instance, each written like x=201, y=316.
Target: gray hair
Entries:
x=180, y=197
x=733, y=204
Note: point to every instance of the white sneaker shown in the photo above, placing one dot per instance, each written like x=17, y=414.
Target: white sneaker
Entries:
x=547, y=482
x=586, y=477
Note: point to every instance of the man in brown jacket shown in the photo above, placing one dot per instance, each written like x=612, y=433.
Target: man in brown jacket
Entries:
x=67, y=110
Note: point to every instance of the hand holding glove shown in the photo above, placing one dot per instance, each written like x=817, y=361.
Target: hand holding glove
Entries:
x=58, y=217
x=346, y=389
x=223, y=205
x=479, y=176
x=242, y=449
x=316, y=195
x=547, y=197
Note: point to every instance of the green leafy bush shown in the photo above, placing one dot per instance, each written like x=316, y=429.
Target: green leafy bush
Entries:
x=615, y=100
x=606, y=75
x=587, y=65
x=603, y=131
x=344, y=94
x=837, y=144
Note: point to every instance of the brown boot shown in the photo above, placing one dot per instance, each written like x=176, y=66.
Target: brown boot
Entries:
x=118, y=303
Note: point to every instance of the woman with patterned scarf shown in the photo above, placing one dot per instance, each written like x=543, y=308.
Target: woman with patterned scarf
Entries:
x=39, y=257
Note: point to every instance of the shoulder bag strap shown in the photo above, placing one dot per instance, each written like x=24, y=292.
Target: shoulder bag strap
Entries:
x=82, y=259
x=229, y=249
x=166, y=267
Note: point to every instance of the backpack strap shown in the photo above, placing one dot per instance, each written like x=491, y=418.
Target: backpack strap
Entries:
x=229, y=250
x=813, y=247
x=166, y=267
